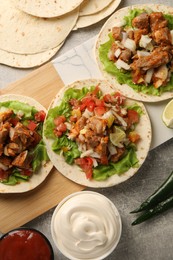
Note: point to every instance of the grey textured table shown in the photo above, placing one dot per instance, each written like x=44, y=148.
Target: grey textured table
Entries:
x=150, y=240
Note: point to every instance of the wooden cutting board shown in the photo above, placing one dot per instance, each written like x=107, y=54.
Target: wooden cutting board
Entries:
x=17, y=209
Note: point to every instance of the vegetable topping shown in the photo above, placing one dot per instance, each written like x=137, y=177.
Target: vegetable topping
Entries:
x=20, y=141
x=94, y=131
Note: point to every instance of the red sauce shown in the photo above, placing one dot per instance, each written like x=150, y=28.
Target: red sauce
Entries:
x=25, y=245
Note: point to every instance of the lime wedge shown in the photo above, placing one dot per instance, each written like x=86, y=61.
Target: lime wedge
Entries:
x=167, y=115
x=117, y=136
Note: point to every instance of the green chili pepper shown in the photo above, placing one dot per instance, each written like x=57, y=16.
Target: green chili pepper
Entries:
x=163, y=192
x=161, y=207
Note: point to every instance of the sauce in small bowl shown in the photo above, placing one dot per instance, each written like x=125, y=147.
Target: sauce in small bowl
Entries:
x=24, y=244
x=86, y=225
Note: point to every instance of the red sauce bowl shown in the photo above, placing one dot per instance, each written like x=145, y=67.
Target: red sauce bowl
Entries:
x=24, y=244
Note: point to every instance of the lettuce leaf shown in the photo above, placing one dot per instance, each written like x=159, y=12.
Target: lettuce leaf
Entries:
x=69, y=148
x=103, y=172
x=17, y=106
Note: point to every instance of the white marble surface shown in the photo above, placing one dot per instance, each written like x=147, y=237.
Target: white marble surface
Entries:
x=153, y=239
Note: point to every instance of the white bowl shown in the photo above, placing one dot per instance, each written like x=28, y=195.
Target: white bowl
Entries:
x=86, y=225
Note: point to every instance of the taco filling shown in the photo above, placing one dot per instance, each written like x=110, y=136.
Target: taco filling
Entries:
x=140, y=51
x=21, y=147
x=95, y=131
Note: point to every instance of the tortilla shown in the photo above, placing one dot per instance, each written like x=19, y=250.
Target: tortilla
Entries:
x=27, y=60
x=47, y=8
x=117, y=19
x=26, y=34
x=87, y=20
x=45, y=169
x=91, y=7
x=73, y=172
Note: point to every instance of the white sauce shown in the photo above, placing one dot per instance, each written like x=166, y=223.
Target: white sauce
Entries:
x=86, y=226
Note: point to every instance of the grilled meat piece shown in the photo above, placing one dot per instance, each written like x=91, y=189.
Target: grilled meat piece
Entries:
x=91, y=139
x=138, y=34
x=118, y=155
x=157, y=58
x=5, y=163
x=117, y=33
x=162, y=36
x=4, y=132
x=141, y=21
x=23, y=135
x=22, y=160
x=6, y=115
x=1, y=149
x=12, y=149
x=125, y=55
x=157, y=21
x=97, y=125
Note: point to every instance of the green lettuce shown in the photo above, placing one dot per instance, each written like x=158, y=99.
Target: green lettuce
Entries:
x=103, y=172
x=124, y=77
x=17, y=106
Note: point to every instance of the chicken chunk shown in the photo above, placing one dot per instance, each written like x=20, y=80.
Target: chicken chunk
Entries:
x=162, y=36
x=117, y=33
x=125, y=55
x=141, y=21
x=97, y=125
x=154, y=60
x=5, y=115
x=157, y=21
x=4, y=132
x=22, y=160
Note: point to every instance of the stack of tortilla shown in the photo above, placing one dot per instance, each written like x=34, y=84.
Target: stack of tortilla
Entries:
x=34, y=30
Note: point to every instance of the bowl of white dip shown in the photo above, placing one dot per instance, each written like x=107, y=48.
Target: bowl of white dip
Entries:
x=86, y=225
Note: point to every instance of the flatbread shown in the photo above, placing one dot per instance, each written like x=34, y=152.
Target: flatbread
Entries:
x=91, y=7
x=27, y=60
x=73, y=172
x=26, y=34
x=87, y=20
x=117, y=18
x=47, y=8
x=43, y=172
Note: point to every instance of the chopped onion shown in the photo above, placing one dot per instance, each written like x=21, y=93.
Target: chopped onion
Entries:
x=95, y=163
x=162, y=72
x=124, y=37
x=87, y=113
x=122, y=121
x=117, y=53
x=130, y=44
x=148, y=76
x=112, y=149
x=69, y=126
x=144, y=41
x=122, y=64
x=86, y=153
x=143, y=53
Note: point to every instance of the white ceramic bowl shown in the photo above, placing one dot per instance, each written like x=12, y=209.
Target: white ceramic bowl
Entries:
x=86, y=225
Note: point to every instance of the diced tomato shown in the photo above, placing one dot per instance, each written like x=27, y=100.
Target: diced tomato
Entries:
x=60, y=119
x=3, y=175
x=91, y=106
x=133, y=137
x=14, y=120
x=107, y=98
x=86, y=164
x=32, y=125
x=133, y=116
x=100, y=110
x=26, y=172
x=57, y=133
x=62, y=127
x=99, y=102
x=40, y=116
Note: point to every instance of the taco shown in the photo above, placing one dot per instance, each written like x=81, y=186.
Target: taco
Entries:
x=24, y=163
x=134, y=51
x=94, y=135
